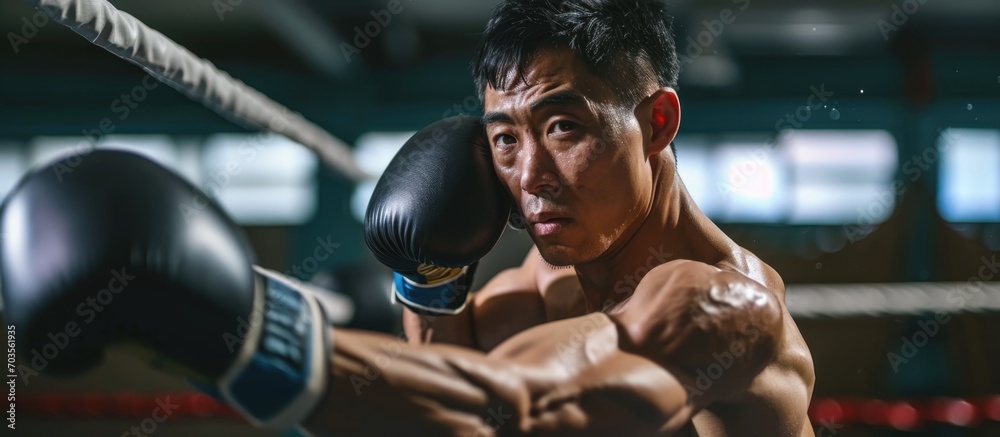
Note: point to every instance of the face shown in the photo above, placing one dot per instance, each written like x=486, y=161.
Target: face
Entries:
x=574, y=160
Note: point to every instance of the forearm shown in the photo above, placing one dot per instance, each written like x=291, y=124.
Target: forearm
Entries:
x=558, y=378
x=382, y=386
x=445, y=329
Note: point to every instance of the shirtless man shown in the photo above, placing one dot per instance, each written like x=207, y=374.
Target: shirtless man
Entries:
x=582, y=146
x=662, y=327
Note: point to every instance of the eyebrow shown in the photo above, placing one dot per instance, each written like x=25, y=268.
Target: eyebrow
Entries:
x=494, y=117
x=561, y=98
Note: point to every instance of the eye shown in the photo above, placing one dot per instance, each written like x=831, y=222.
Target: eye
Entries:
x=564, y=126
x=504, y=141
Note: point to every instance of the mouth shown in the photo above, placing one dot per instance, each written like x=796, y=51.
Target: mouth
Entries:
x=548, y=224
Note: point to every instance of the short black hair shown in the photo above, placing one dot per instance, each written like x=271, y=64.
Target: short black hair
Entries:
x=628, y=43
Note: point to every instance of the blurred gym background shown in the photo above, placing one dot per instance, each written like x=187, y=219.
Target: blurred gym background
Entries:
x=895, y=179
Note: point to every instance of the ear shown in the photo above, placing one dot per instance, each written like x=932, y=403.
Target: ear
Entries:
x=663, y=115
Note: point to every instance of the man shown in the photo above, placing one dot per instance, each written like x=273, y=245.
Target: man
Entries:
x=579, y=112
x=662, y=327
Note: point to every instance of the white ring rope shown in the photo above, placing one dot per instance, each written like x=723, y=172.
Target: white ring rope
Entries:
x=891, y=299
x=128, y=38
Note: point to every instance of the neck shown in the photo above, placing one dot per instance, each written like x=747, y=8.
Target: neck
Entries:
x=673, y=228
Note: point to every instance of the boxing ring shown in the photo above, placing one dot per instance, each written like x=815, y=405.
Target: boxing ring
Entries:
x=121, y=34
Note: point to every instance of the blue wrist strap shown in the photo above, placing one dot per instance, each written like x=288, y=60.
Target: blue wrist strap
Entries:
x=281, y=372
x=447, y=297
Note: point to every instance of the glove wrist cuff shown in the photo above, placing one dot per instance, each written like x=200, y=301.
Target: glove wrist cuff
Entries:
x=442, y=298
x=280, y=374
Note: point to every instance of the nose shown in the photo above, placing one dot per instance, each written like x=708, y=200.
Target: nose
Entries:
x=538, y=170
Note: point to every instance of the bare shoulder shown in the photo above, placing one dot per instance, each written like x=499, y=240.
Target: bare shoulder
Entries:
x=783, y=389
x=793, y=355
x=730, y=313
x=684, y=313
x=693, y=292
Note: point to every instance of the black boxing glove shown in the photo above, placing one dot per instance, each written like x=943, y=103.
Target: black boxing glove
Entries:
x=109, y=247
x=437, y=210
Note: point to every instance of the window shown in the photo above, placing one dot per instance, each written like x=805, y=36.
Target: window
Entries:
x=969, y=182
x=258, y=179
x=813, y=177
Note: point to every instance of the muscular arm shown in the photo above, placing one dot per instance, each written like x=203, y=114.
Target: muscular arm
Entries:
x=714, y=330
x=634, y=371
x=561, y=378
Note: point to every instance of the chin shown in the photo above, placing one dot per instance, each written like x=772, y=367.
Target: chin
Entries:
x=559, y=255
